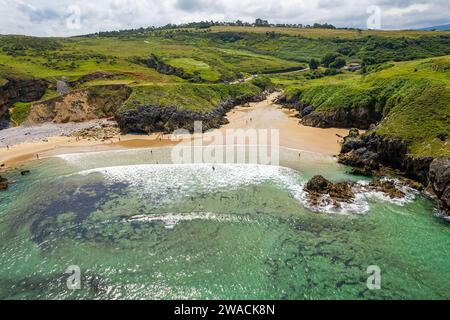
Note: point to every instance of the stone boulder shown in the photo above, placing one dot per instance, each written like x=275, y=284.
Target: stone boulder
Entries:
x=318, y=187
x=4, y=184
x=321, y=191
x=388, y=187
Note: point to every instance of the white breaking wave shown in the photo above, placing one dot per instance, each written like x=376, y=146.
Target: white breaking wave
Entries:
x=166, y=183
x=175, y=181
x=104, y=154
x=171, y=220
x=366, y=192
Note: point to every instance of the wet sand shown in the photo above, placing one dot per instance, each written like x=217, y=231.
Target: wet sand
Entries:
x=261, y=115
x=268, y=115
x=63, y=145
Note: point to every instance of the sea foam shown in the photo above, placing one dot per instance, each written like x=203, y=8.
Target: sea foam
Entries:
x=166, y=183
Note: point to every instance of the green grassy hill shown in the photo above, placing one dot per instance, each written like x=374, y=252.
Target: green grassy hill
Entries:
x=211, y=55
x=195, y=97
x=413, y=98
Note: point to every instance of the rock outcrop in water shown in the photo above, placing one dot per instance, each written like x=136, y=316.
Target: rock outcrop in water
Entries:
x=372, y=151
x=322, y=192
x=4, y=184
x=318, y=187
x=150, y=119
x=19, y=90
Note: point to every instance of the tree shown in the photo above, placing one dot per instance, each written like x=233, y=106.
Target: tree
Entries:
x=313, y=64
x=261, y=23
x=329, y=59
x=338, y=63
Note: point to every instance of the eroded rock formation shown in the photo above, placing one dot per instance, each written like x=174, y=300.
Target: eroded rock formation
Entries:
x=372, y=151
x=81, y=105
x=167, y=119
x=20, y=90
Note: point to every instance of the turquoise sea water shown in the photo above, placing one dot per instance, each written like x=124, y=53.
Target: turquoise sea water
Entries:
x=141, y=228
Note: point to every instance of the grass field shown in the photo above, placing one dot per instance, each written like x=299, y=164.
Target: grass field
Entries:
x=217, y=54
x=330, y=33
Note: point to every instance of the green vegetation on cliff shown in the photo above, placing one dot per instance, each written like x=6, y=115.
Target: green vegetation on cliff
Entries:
x=19, y=112
x=186, y=96
x=412, y=99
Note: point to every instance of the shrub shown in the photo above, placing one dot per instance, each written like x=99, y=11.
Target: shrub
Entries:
x=329, y=58
x=338, y=63
x=313, y=64
x=263, y=82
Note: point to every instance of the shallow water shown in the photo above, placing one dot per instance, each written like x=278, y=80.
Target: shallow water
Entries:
x=141, y=228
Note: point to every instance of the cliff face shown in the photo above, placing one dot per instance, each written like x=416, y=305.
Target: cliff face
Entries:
x=82, y=105
x=372, y=151
x=167, y=119
x=359, y=117
x=439, y=175
x=20, y=90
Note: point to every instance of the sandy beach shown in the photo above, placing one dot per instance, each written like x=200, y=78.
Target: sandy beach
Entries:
x=24, y=144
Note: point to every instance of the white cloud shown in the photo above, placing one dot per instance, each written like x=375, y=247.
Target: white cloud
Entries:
x=407, y=10
x=48, y=18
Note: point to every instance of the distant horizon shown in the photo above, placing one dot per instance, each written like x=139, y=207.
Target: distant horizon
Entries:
x=75, y=17
x=166, y=27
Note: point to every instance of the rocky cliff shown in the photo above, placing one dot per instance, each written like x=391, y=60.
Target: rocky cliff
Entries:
x=149, y=119
x=19, y=90
x=80, y=105
x=372, y=151
x=359, y=117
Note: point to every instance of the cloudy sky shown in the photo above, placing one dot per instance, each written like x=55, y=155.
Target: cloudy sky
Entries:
x=72, y=17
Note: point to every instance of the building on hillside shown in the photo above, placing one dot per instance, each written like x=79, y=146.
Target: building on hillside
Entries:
x=352, y=67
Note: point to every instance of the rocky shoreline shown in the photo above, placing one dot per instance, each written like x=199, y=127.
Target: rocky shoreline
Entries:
x=149, y=119
x=371, y=153
x=360, y=117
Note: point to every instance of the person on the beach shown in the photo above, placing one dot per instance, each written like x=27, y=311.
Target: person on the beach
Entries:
x=37, y=156
x=7, y=147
